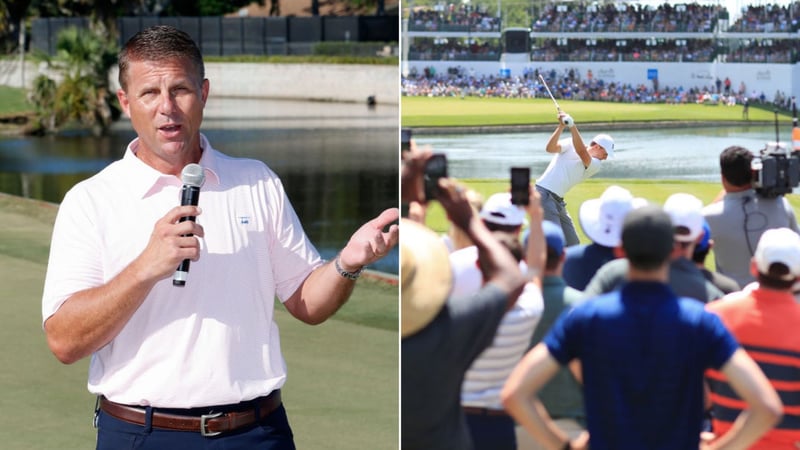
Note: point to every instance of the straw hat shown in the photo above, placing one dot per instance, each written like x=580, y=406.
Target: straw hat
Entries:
x=425, y=277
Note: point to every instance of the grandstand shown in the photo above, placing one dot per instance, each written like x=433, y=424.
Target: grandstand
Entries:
x=645, y=45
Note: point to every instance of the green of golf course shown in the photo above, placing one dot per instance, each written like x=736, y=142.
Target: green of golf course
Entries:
x=342, y=388
x=435, y=112
x=450, y=113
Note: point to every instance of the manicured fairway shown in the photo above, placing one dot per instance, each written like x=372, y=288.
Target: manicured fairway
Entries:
x=473, y=111
x=342, y=389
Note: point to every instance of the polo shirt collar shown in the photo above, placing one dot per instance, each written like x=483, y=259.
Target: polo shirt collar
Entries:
x=146, y=181
x=773, y=296
x=740, y=194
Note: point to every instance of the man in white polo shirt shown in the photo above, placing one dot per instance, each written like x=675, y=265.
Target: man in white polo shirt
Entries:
x=174, y=367
x=573, y=162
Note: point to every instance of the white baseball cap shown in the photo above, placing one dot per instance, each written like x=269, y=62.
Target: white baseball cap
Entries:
x=499, y=210
x=601, y=218
x=605, y=141
x=686, y=211
x=779, y=245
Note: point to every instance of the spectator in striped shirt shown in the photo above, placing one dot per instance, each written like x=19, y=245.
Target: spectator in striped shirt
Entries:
x=763, y=320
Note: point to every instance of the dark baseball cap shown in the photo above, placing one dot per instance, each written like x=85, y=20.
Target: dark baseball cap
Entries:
x=647, y=236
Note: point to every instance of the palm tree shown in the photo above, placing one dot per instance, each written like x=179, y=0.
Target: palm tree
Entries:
x=82, y=61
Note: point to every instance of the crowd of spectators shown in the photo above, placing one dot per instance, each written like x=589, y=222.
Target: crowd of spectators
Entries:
x=570, y=84
x=426, y=49
x=768, y=18
x=610, y=50
x=776, y=51
x=582, y=17
x=567, y=17
x=766, y=51
x=452, y=17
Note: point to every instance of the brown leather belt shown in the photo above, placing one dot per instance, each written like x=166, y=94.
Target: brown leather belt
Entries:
x=207, y=424
x=474, y=410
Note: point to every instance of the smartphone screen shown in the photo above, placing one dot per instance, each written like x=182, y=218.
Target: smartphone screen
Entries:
x=435, y=168
x=405, y=139
x=520, y=185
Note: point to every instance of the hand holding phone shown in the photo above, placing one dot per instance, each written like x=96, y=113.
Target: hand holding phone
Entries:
x=405, y=139
x=435, y=168
x=520, y=185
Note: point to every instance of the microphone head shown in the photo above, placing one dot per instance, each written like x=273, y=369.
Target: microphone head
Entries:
x=193, y=175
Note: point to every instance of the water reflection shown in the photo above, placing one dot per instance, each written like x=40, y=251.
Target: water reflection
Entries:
x=337, y=173
x=658, y=154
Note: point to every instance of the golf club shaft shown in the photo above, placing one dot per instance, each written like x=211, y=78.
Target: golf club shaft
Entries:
x=558, y=108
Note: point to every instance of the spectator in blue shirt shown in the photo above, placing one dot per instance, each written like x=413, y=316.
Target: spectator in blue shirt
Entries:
x=641, y=353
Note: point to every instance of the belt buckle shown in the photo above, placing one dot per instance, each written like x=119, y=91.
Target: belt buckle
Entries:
x=203, y=424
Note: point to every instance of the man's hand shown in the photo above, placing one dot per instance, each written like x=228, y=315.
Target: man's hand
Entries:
x=412, y=183
x=370, y=243
x=565, y=119
x=170, y=243
x=454, y=200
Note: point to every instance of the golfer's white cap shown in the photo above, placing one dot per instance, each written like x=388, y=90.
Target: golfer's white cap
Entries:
x=605, y=141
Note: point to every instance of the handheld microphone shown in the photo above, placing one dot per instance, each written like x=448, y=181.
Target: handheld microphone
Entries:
x=193, y=177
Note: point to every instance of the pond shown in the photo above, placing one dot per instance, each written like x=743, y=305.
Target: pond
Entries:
x=338, y=162
x=655, y=153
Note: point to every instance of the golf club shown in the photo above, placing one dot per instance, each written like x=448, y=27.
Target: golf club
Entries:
x=567, y=119
x=549, y=93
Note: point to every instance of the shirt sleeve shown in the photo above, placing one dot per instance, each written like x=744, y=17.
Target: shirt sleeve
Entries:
x=75, y=261
x=594, y=167
x=722, y=344
x=790, y=214
x=475, y=318
x=293, y=255
x=561, y=339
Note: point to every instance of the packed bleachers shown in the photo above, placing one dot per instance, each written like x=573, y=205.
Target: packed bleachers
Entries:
x=768, y=18
x=452, y=17
x=427, y=49
x=571, y=84
x=576, y=17
x=573, y=17
x=636, y=50
x=766, y=51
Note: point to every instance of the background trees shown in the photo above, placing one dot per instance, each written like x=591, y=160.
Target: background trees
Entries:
x=80, y=91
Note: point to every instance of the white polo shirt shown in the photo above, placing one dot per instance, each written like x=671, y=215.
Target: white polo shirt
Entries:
x=214, y=340
x=566, y=169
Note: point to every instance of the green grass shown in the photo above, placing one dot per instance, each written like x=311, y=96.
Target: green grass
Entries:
x=343, y=374
x=13, y=101
x=473, y=111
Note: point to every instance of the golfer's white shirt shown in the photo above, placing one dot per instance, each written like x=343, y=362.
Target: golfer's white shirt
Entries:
x=566, y=169
x=214, y=340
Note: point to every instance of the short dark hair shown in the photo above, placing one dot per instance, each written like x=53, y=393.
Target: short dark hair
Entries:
x=774, y=279
x=734, y=164
x=510, y=242
x=502, y=228
x=553, y=259
x=159, y=43
x=699, y=254
x=647, y=237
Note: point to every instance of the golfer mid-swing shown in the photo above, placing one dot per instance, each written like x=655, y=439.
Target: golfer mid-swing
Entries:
x=573, y=162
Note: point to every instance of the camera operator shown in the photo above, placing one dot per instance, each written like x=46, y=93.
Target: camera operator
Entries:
x=739, y=219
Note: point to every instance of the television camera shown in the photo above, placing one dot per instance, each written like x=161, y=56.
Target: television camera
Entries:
x=776, y=169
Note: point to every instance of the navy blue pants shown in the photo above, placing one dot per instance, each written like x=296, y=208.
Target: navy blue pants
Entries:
x=272, y=433
x=492, y=432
